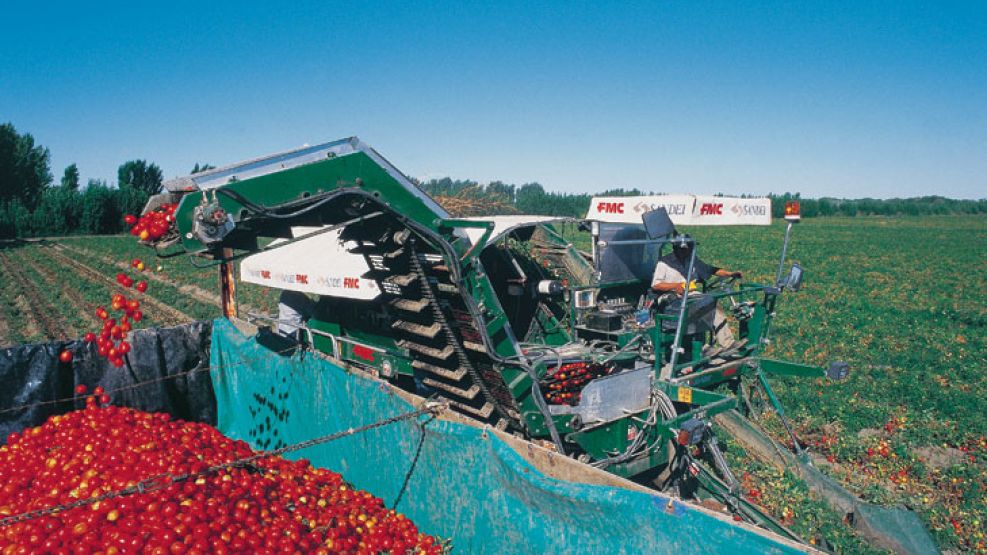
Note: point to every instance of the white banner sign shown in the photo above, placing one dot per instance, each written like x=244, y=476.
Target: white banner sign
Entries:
x=683, y=209
x=320, y=265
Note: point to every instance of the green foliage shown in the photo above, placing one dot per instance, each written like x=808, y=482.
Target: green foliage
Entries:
x=202, y=168
x=70, y=179
x=918, y=206
x=96, y=209
x=24, y=168
x=59, y=212
x=901, y=300
x=30, y=206
x=140, y=175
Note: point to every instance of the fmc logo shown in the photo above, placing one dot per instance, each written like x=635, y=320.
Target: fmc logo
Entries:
x=610, y=207
x=711, y=209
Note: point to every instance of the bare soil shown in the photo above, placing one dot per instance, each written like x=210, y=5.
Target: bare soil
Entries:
x=69, y=293
x=167, y=314
x=198, y=293
x=51, y=324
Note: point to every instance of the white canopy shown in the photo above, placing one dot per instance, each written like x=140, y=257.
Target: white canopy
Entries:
x=683, y=209
x=320, y=265
x=503, y=224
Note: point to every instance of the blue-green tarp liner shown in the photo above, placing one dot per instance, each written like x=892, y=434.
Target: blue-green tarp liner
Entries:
x=467, y=485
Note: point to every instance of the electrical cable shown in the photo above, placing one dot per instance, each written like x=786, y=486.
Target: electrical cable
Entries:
x=269, y=211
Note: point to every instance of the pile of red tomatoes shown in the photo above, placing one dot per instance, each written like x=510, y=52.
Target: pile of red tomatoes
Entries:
x=563, y=385
x=270, y=505
x=153, y=225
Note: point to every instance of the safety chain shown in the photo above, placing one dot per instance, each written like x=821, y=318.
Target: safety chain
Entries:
x=161, y=481
x=414, y=460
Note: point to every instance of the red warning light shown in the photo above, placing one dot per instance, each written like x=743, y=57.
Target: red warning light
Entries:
x=683, y=437
x=792, y=211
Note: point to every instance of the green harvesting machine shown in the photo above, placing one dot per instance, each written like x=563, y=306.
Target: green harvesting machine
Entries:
x=543, y=327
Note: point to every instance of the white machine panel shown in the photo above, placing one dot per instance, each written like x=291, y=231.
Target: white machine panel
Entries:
x=683, y=209
x=319, y=265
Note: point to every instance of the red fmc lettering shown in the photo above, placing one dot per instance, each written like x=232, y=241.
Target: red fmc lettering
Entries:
x=351, y=283
x=366, y=353
x=266, y=274
x=301, y=278
x=711, y=208
x=610, y=207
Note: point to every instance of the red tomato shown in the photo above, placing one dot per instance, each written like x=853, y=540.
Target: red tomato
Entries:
x=130, y=219
x=89, y=337
x=105, y=447
x=65, y=357
x=80, y=389
x=142, y=286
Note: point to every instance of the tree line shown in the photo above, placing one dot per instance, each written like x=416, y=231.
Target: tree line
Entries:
x=32, y=204
x=532, y=198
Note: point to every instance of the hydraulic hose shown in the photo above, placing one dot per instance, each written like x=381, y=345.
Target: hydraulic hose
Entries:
x=269, y=212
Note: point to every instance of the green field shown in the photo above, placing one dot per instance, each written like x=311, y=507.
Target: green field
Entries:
x=901, y=299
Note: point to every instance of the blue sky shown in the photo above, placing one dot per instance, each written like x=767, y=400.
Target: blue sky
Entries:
x=845, y=99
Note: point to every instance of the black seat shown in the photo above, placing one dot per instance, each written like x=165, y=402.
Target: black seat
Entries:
x=699, y=315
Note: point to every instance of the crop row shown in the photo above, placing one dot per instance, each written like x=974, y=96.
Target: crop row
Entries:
x=902, y=301
x=179, y=270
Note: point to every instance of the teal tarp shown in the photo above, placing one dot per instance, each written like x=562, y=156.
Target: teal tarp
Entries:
x=468, y=486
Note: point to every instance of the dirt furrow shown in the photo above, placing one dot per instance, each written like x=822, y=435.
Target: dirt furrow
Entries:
x=23, y=327
x=52, y=325
x=167, y=314
x=85, y=309
x=193, y=291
